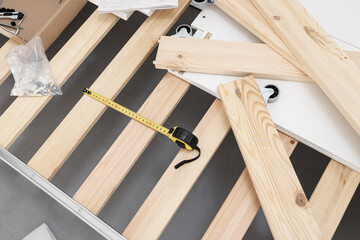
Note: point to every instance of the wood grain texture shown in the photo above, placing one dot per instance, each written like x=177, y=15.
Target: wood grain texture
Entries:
x=328, y=202
x=119, y=159
x=277, y=186
x=319, y=56
x=24, y=109
x=225, y=58
x=228, y=58
x=332, y=196
x=171, y=190
x=66, y=137
x=241, y=206
x=4, y=69
x=245, y=13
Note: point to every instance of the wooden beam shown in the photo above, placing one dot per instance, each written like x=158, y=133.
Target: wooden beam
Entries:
x=318, y=56
x=4, y=69
x=62, y=142
x=227, y=58
x=171, y=190
x=24, y=109
x=276, y=184
x=245, y=13
x=119, y=159
x=328, y=202
x=241, y=206
x=332, y=195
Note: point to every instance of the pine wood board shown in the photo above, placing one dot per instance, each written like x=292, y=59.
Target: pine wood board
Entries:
x=299, y=104
x=24, y=109
x=171, y=190
x=4, y=69
x=319, y=56
x=66, y=137
x=332, y=196
x=328, y=202
x=119, y=159
x=241, y=206
x=275, y=181
x=227, y=58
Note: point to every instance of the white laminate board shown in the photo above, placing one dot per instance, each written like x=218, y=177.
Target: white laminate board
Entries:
x=41, y=233
x=303, y=111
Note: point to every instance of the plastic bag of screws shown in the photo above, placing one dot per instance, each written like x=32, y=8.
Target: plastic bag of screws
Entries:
x=31, y=70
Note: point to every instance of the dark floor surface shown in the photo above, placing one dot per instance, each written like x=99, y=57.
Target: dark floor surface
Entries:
x=23, y=207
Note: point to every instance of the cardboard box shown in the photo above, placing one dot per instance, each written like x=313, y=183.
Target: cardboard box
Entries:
x=44, y=18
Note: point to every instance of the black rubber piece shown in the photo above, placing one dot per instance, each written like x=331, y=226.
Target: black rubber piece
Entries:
x=20, y=15
x=276, y=91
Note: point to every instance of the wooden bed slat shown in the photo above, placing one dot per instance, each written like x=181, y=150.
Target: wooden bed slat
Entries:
x=119, y=159
x=275, y=181
x=171, y=190
x=4, y=68
x=227, y=58
x=332, y=196
x=24, y=109
x=62, y=142
x=319, y=55
x=328, y=203
x=241, y=206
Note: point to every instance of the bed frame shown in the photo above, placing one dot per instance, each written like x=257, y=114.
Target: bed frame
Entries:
x=328, y=202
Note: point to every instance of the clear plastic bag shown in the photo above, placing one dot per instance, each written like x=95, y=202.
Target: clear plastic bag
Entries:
x=31, y=70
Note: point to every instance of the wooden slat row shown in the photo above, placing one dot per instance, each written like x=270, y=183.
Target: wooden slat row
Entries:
x=24, y=109
x=328, y=203
x=241, y=206
x=171, y=190
x=66, y=137
x=4, y=69
x=122, y=155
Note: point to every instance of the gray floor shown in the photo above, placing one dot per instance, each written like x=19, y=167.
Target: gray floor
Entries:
x=23, y=207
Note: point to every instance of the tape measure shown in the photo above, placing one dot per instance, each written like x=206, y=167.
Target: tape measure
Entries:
x=183, y=138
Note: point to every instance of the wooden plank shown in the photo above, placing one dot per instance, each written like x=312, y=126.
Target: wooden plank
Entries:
x=277, y=186
x=119, y=159
x=328, y=202
x=319, y=56
x=24, y=109
x=241, y=206
x=245, y=13
x=59, y=146
x=332, y=195
x=227, y=58
x=4, y=69
x=171, y=190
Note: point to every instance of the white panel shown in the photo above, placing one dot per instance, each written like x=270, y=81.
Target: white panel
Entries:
x=41, y=233
x=303, y=111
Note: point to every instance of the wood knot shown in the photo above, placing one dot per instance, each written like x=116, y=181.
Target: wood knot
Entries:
x=238, y=92
x=301, y=199
x=277, y=18
x=292, y=141
x=180, y=56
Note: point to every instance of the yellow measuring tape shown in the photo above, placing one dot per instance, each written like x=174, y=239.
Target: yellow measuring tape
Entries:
x=183, y=138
